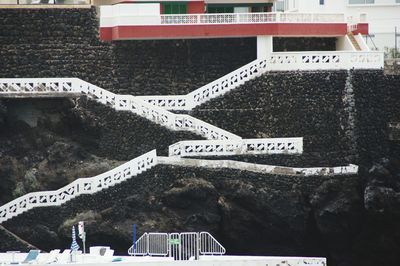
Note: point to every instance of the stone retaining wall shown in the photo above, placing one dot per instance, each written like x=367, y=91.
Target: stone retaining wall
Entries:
x=64, y=43
x=287, y=104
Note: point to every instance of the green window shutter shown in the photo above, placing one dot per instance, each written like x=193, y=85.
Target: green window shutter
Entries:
x=166, y=9
x=175, y=8
x=183, y=9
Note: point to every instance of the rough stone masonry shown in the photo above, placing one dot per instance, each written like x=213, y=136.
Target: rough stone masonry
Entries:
x=342, y=115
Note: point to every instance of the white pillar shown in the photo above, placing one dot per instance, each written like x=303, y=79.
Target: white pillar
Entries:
x=264, y=46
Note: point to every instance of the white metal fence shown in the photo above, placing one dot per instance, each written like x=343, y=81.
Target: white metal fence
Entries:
x=180, y=246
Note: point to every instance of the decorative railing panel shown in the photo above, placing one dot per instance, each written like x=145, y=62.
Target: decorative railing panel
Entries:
x=227, y=82
x=110, y=17
x=240, y=147
x=36, y=85
x=284, y=61
x=324, y=60
x=214, y=89
x=78, y=187
x=136, y=105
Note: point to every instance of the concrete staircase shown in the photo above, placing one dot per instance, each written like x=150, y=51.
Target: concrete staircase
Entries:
x=353, y=40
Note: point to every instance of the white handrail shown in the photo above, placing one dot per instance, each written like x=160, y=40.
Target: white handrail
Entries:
x=78, y=187
x=276, y=61
x=119, y=102
x=211, y=90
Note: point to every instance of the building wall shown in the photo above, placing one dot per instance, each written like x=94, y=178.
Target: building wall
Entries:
x=382, y=17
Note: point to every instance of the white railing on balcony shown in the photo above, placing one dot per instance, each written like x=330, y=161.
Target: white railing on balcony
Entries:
x=78, y=187
x=110, y=17
x=193, y=148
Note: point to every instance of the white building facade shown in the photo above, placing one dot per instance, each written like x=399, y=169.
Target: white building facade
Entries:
x=383, y=16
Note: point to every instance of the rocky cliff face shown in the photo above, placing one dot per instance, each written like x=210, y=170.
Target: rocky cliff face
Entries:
x=351, y=220
x=347, y=219
x=342, y=115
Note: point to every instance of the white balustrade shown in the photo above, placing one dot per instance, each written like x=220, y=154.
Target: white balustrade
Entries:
x=227, y=82
x=169, y=102
x=78, y=187
x=195, y=148
x=131, y=103
x=334, y=60
x=37, y=85
x=116, y=19
x=214, y=89
x=205, y=129
x=277, y=61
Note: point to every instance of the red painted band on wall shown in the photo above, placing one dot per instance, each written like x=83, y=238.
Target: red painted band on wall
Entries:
x=362, y=28
x=222, y=30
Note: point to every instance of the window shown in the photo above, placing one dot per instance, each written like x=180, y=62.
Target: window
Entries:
x=220, y=9
x=321, y=2
x=361, y=2
x=175, y=8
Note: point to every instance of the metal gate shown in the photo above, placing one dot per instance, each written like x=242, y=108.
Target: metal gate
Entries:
x=180, y=246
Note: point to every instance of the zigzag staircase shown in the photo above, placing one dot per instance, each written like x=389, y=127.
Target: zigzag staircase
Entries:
x=219, y=141
x=212, y=90
x=78, y=187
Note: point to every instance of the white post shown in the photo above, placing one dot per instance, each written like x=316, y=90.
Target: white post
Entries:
x=264, y=46
x=278, y=17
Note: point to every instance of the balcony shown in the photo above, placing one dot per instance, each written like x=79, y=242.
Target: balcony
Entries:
x=116, y=23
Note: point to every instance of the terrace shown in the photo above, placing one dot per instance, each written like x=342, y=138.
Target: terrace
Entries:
x=137, y=21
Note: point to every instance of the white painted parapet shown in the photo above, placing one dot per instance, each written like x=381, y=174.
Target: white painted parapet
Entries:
x=136, y=105
x=276, y=61
x=211, y=90
x=127, y=15
x=335, y=60
x=195, y=148
x=78, y=187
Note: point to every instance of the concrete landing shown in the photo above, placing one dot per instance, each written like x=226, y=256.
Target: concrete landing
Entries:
x=350, y=169
x=30, y=95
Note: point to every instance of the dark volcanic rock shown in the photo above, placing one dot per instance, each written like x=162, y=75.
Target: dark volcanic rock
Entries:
x=287, y=104
x=352, y=220
x=119, y=135
x=10, y=241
